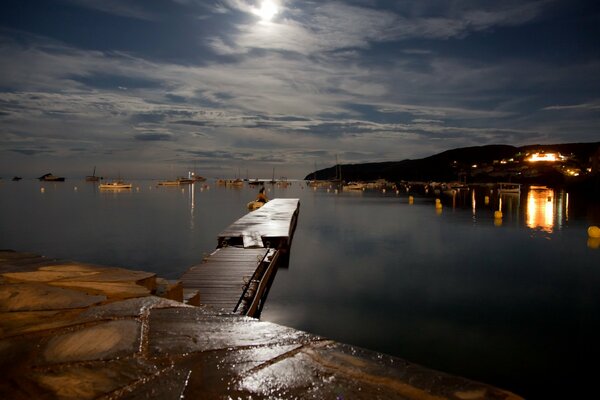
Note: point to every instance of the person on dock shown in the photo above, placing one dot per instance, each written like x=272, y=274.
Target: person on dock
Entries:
x=262, y=197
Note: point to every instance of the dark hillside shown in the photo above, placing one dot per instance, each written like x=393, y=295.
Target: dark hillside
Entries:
x=491, y=163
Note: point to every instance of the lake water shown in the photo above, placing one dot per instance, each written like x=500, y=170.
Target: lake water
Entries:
x=514, y=303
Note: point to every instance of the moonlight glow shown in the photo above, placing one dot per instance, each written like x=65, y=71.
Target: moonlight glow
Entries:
x=267, y=10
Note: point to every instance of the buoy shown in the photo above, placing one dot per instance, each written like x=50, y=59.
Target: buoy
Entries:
x=438, y=203
x=411, y=200
x=42, y=190
x=75, y=188
x=336, y=191
x=383, y=190
x=497, y=214
x=594, y=232
x=486, y=200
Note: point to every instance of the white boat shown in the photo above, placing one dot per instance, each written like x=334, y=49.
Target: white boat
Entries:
x=115, y=185
x=509, y=188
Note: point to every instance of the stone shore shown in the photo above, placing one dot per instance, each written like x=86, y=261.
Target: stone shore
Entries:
x=70, y=330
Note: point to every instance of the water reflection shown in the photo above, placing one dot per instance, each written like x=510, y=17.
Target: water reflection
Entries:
x=540, y=209
x=547, y=209
x=192, y=199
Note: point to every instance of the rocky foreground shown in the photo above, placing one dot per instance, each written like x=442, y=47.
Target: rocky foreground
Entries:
x=77, y=331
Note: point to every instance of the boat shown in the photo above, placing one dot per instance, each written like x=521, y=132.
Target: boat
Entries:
x=51, y=178
x=354, y=186
x=197, y=178
x=93, y=177
x=115, y=185
x=509, y=188
x=255, y=205
x=169, y=183
x=16, y=178
x=256, y=182
x=273, y=181
x=185, y=181
x=235, y=183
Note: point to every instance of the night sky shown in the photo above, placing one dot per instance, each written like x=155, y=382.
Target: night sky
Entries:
x=152, y=88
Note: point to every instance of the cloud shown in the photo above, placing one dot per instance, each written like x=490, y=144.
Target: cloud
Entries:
x=322, y=78
x=329, y=26
x=594, y=107
x=124, y=8
x=31, y=152
x=154, y=137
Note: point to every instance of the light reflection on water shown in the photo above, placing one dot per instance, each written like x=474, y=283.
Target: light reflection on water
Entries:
x=515, y=305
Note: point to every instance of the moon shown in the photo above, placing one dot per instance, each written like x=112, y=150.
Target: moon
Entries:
x=267, y=10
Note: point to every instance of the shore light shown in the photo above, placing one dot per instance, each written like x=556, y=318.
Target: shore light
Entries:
x=548, y=157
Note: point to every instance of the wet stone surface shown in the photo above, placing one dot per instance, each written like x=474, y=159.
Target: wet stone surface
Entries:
x=87, y=341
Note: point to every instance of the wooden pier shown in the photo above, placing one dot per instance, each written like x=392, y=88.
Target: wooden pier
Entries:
x=237, y=276
x=271, y=226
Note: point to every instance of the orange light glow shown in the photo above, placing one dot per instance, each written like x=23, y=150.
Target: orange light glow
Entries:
x=548, y=157
x=540, y=209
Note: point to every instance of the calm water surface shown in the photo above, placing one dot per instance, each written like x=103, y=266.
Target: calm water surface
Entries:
x=515, y=304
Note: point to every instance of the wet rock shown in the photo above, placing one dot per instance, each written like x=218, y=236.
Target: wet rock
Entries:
x=35, y=297
x=112, y=282
x=133, y=307
x=93, y=380
x=185, y=330
x=20, y=323
x=99, y=342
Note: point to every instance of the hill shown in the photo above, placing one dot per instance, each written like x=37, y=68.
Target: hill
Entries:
x=491, y=163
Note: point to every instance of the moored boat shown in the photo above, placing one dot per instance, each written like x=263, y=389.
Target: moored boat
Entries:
x=115, y=185
x=169, y=183
x=51, y=178
x=93, y=177
x=185, y=181
x=509, y=188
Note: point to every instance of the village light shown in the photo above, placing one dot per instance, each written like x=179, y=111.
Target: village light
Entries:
x=548, y=157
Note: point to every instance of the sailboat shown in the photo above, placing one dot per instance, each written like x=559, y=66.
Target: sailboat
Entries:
x=93, y=177
x=273, y=181
x=194, y=177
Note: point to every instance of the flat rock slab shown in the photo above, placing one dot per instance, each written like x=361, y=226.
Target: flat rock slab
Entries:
x=37, y=297
x=103, y=341
x=87, y=340
x=111, y=282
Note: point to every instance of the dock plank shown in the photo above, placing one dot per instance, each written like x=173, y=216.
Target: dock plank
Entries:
x=220, y=278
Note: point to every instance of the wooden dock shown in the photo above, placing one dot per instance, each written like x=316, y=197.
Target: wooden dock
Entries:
x=237, y=276
x=272, y=226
